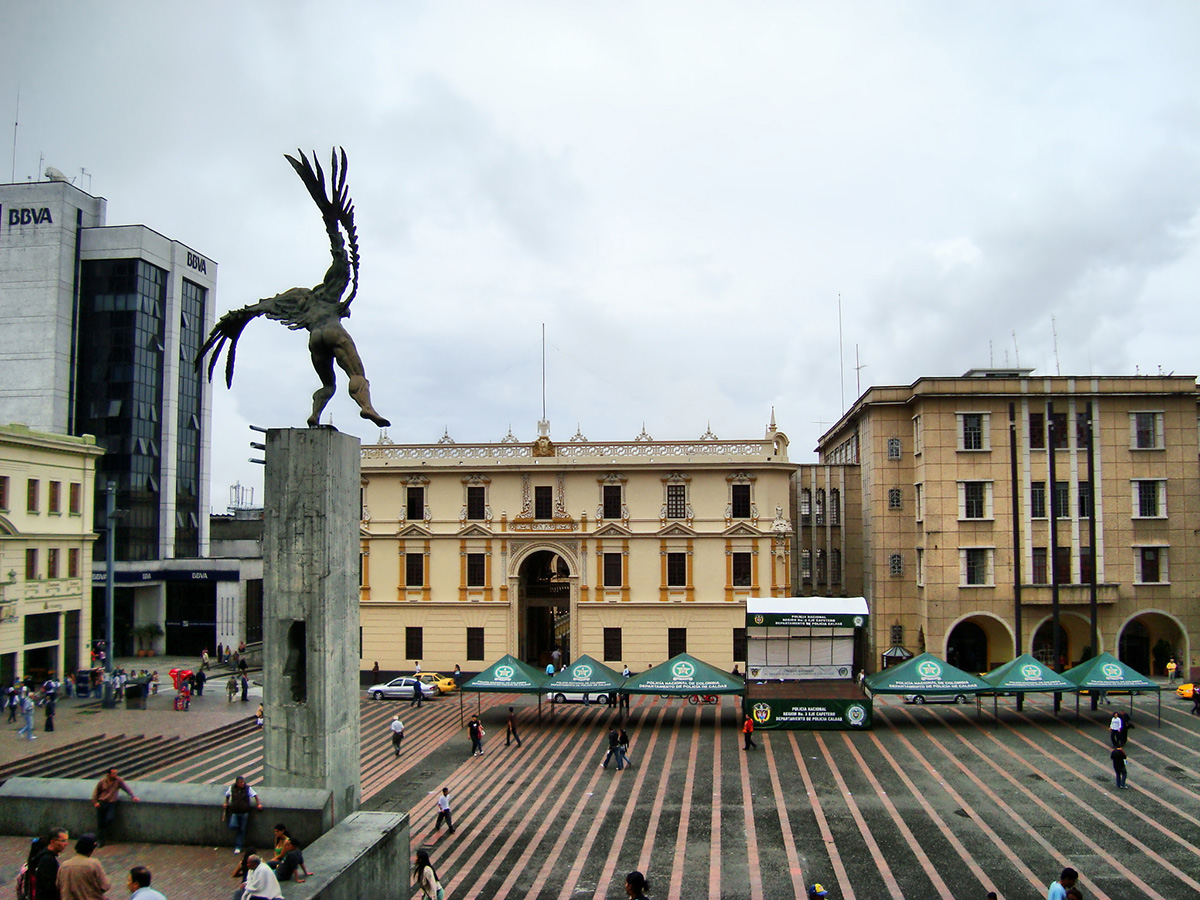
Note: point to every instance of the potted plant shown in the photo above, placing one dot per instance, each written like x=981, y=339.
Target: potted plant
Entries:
x=146, y=633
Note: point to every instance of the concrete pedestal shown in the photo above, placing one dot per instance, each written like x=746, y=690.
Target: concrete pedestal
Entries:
x=310, y=613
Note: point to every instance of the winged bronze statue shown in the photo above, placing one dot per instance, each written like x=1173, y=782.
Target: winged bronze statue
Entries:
x=319, y=309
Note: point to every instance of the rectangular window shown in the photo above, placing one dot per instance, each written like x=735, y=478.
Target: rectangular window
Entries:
x=976, y=566
x=476, y=570
x=820, y=506
x=414, y=643
x=1085, y=499
x=896, y=564
x=1062, y=500
x=54, y=498
x=739, y=645
x=1040, y=573
x=31, y=564
x=895, y=498
x=970, y=433
x=1037, y=500
x=676, y=501
x=897, y=635
x=1062, y=565
x=73, y=562
x=612, y=501
x=920, y=491
x=1146, y=431
x=918, y=435
x=1087, y=565
x=475, y=644
x=75, y=498
x=1151, y=564
x=742, y=563
x=835, y=506
x=806, y=565
x=31, y=495
x=1037, y=431
x=4, y=492
x=1058, y=430
x=612, y=645
x=415, y=504
x=676, y=642
x=740, y=500
x=414, y=570
x=476, y=503
x=41, y=628
x=805, y=503
x=1149, y=499
x=821, y=574
x=543, y=502
x=835, y=566
x=613, y=575
x=676, y=570
x=975, y=499
x=52, y=562
x=920, y=567
x=893, y=448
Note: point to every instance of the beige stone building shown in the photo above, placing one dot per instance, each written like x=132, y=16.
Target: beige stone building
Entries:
x=46, y=491
x=628, y=551
x=942, y=563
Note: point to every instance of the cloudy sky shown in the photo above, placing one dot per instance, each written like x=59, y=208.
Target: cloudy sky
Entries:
x=678, y=191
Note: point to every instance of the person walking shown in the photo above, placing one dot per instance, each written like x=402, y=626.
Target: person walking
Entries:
x=239, y=797
x=623, y=743
x=1195, y=701
x=748, y=733
x=636, y=886
x=82, y=877
x=1118, y=761
x=104, y=798
x=614, y=749
x=1115, y=727
x=27, y=715
x=510, y=733
x=49, y=707
x=231, y=688
x=139, y=885
x=475, y=732
x=426, y=877
x=45, y=867
x=418, y=696
x=1126, y=727
x=397, y=730
x=443, y=805
x=245, y=688
x=817, y=890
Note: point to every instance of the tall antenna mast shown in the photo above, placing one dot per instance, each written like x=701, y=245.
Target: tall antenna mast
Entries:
x=1016, y=349
x=1054, y=332
x=841, y=363
x=858, y=367
x=543, y=371
x=16, y=122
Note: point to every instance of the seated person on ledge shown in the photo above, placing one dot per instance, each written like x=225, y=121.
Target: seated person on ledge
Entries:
x=288, y=857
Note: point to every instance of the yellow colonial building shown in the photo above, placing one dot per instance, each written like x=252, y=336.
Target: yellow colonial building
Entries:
x=628, y=551
x=46, y=491
x=979, y=502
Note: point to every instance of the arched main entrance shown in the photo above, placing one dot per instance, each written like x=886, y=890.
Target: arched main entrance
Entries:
x=543, y=607
x=1149, y=640
x=979, y=643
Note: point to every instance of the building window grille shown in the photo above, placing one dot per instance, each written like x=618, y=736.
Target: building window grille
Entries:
x=475, y=643
x=414, y=643
x=612, y=644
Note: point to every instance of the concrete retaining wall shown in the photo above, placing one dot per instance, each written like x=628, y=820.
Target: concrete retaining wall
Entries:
x=167, y=814
x=365, y=855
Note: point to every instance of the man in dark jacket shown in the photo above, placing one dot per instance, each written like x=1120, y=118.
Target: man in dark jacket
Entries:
x=46, y=871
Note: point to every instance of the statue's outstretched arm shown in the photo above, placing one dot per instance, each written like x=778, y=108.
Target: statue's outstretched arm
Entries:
x=229, y=328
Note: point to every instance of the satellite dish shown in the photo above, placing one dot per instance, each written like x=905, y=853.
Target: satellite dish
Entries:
x=55, y=175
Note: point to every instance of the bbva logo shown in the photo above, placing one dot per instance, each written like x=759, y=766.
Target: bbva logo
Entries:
x=26, y=216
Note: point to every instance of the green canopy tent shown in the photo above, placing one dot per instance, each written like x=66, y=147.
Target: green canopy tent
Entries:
x=1107, y=673
x=1025, y=675
x=585, y=676
x=923, y=675
x=507, y=675
x=684, y=675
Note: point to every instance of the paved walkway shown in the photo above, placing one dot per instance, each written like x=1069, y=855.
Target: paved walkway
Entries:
x=935, y=802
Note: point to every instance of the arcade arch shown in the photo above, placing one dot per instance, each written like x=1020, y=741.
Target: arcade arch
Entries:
x=978, y=643
x=1074, y=634
x=545, y=583
x=1147, y=631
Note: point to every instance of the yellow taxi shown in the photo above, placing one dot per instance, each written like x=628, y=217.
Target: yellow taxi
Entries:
x=443, y=683
x=1185, y=691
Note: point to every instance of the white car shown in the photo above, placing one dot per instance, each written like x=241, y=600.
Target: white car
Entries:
x=571, y=697
x=401, y=689
x=921, y=699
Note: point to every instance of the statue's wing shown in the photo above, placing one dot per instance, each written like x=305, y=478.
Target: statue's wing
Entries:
x=228, y=328
x=337, y=210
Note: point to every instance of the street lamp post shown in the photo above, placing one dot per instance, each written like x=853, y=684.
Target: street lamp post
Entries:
x=110, y=520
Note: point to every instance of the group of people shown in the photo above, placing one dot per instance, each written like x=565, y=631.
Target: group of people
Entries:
x=618, y=746
x=82, y=877
x=426, y=877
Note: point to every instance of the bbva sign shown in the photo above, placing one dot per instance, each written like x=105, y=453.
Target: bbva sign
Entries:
x=27, y=216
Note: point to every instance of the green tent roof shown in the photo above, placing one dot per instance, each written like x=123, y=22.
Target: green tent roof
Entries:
x=1107, y=673
x=1024, y=675
x=586, y=676
x=508, y=674
x=682, y=675
x=925, y=674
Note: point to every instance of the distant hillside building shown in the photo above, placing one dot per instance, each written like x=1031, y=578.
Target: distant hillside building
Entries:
x=941, y=560
x=629, y=551
x=101, y=324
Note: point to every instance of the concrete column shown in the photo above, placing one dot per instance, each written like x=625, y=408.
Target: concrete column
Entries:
x=310, y=613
